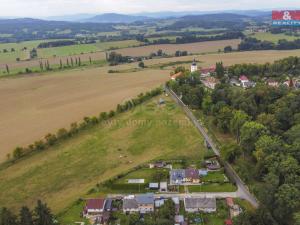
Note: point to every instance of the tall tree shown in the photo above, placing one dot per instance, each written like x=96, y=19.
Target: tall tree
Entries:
x=220, y=71
x=43, y=215
x=238, y=120
x=25, y=216
x=7, y=217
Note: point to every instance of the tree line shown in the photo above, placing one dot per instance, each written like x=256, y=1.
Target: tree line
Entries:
x=59, y=43
x=41, y=215
x=62, y=134
x=250, y=44
x=265, y=124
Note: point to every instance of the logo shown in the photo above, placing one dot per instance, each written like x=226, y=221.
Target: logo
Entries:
x=286, y=18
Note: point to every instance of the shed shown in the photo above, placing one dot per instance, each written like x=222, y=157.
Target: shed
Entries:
x=153, y=185
x=163, y=187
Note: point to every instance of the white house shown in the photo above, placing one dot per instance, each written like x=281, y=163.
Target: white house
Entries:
x=207, y=205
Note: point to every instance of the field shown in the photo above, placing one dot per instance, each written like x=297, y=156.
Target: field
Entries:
x=200, y=47
x=67, y=171
x=42, y=104
x=208, y=60
x=10, y=57
x=265, y=36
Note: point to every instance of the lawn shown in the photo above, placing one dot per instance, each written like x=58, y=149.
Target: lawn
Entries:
x=67, y=171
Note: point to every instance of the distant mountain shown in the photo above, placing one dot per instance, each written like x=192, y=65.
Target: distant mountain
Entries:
x=116, y=18
x=71, y=18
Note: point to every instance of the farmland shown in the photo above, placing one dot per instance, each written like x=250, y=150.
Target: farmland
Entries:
x=200, y=47
x=41, y=104
x=63, y=173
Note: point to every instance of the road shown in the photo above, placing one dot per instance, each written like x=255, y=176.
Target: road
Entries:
x=243, y=191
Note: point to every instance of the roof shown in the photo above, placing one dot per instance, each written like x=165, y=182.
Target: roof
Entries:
x=192, y=173
x=108, y=204
x=208, y=70
x=95, y=204
x=130, y=203
x=163, y=184
x=229, y=201
x=176, y=200
x=177, y=174
x=211, y=80
x=179, y=219
x=176, y=75
x=243, y=78
x=228, y=222
x=145, y=199
x=153, y=185
x=200, y=203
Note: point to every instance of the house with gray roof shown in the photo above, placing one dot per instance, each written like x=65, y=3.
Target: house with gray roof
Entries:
x=145, y=202
x=130, y=205
x=207, y=205
x=177, y=176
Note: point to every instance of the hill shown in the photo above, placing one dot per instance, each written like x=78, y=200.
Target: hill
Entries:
x=116, y=18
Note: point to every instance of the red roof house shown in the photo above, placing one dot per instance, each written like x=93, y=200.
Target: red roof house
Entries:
x=244, y=78
x=229, y=202
x=228, y=222
x=94, y=206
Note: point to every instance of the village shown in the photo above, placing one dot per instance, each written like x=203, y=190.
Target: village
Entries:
x=209, y=80
x=178, y=185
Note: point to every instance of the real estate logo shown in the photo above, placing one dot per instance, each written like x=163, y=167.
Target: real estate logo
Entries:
x=286, y=18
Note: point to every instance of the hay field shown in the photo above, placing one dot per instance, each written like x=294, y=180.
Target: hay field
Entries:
x=67, y=171
x=32, y=106
x=199, y=47
x=208, y=60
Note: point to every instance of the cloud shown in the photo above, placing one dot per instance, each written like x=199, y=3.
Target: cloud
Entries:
x=43, y=8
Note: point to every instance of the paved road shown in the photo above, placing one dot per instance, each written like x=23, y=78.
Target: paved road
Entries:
x=243, y=191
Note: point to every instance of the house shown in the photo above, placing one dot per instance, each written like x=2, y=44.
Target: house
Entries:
x=153, y=186
x=94, y=207
x=234, y=82
x=163, y=187
x=194, y=67
x=210, y=82
x=179, y=219
x=192, y=176
x=272, y=83
x=177, y=176
x=206, y=72
x=130, y=205
x=207, y=205
x=176, y=75
x=159, y=202
x=145, y=202
x=245, y=82
x=212, y=165
x=229, y=202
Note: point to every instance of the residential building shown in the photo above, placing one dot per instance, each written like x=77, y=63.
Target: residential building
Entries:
x=210, y=82
x=145, y=202
x=245, y=83
x=94, y=207
x=206, y=72
x=192, y=176
x=212, y=165
x=272, y=83
x=130, y=205
x=207, y=205
x=159, y=202
x=177, y=176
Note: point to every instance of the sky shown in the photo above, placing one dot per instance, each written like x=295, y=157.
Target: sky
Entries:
x=45, y=8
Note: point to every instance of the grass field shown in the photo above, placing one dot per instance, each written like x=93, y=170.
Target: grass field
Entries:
x=42, y=104
x=273, y=37
x=10, y=57
x=65, y=172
